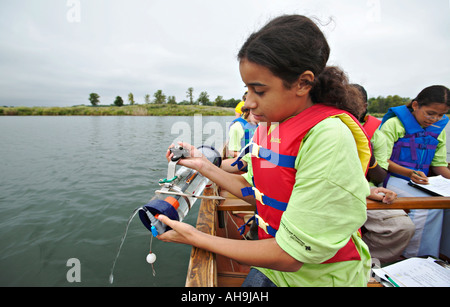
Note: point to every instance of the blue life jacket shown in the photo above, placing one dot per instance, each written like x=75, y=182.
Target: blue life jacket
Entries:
x=416, y=149
x=249, y=130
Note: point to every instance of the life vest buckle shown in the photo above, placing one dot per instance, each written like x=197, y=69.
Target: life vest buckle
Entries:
x=258, y=195
x=255, y=150
x=262, y=224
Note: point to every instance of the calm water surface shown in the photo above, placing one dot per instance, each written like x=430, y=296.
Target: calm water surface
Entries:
x=68, y=186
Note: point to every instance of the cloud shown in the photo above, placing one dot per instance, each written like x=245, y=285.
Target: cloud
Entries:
x=140, y=46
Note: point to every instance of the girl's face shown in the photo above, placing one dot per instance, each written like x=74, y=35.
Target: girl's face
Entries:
x=429, y=114
x=268, y=99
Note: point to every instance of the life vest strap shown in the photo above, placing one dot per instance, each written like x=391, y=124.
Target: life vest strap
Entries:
x=266, y=154
x=239, y=163
x=271, y=156
x=242, y=228
x=422, y=134
x=413, y=147
x=263, y=199
x=243, y=152
x=413, y=165
x=261, y=224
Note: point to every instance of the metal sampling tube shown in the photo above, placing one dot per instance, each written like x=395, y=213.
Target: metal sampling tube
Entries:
x=173, y=200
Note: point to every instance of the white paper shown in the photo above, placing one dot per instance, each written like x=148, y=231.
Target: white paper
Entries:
x=437, y=184
x=416, y=272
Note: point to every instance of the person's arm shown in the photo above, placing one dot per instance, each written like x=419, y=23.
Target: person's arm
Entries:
x=382, y=194
x=378, y=162
x=226, y=165
x=415, y=176
x=376, y=173
x=261, y=253
x=441, y=170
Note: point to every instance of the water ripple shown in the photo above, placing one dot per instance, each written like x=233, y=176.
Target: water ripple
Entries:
x=67, y=188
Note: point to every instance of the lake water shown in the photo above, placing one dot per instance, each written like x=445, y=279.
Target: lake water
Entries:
x=68, y=186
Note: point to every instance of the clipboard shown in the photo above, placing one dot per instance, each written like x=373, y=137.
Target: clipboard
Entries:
x=415, y=272
x=438, y=186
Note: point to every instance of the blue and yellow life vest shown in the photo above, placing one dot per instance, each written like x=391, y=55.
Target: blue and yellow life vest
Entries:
x=417, y=148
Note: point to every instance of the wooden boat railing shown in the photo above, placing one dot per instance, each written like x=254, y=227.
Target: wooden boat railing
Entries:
x=202, y=270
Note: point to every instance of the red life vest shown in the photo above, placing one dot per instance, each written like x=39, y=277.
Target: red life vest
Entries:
x=273, y=162
x=370, y=125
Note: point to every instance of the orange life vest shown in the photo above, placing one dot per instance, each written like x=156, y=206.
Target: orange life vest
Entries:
x=273, y=161
x=370, y=125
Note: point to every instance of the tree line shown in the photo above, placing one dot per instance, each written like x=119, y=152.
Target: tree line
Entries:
x=381, y=104
x=376, y=105
x=160, y=98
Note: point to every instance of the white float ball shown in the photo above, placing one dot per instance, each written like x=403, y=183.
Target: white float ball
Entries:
x=151, y=258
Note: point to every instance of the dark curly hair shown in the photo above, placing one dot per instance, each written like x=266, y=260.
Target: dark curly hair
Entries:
x=288, y=46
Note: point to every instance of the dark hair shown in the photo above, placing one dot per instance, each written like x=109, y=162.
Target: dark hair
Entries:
x=433, y=94
x=362, y=90
x=288, y=46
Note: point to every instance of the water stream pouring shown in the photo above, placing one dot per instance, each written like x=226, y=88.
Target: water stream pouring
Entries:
x=178, y=193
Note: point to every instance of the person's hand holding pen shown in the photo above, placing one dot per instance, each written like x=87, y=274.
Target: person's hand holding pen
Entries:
x=419, y=177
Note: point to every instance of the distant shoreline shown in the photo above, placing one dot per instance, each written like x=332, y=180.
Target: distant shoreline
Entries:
x=126, y=110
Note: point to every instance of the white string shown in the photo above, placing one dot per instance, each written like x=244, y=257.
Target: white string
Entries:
x=153, y=268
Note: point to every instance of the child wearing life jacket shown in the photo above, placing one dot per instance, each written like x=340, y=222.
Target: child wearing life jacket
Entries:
x=416, y=139
x=306, y=175
x=241, y=132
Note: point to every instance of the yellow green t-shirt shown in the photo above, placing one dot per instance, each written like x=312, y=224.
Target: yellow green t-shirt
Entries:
x=379, y=148
x=235, y=137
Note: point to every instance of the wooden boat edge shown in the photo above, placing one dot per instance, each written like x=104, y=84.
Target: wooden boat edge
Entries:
x=203, y=271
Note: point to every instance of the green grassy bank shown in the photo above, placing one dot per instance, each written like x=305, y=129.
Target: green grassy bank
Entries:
x=127, y=110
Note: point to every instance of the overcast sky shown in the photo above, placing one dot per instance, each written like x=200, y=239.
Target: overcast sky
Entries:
x=57, y=52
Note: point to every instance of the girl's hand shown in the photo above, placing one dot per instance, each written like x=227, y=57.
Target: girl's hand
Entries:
x=180, y=233
x=382, y=194
x=196, y=160
x=419, y=177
